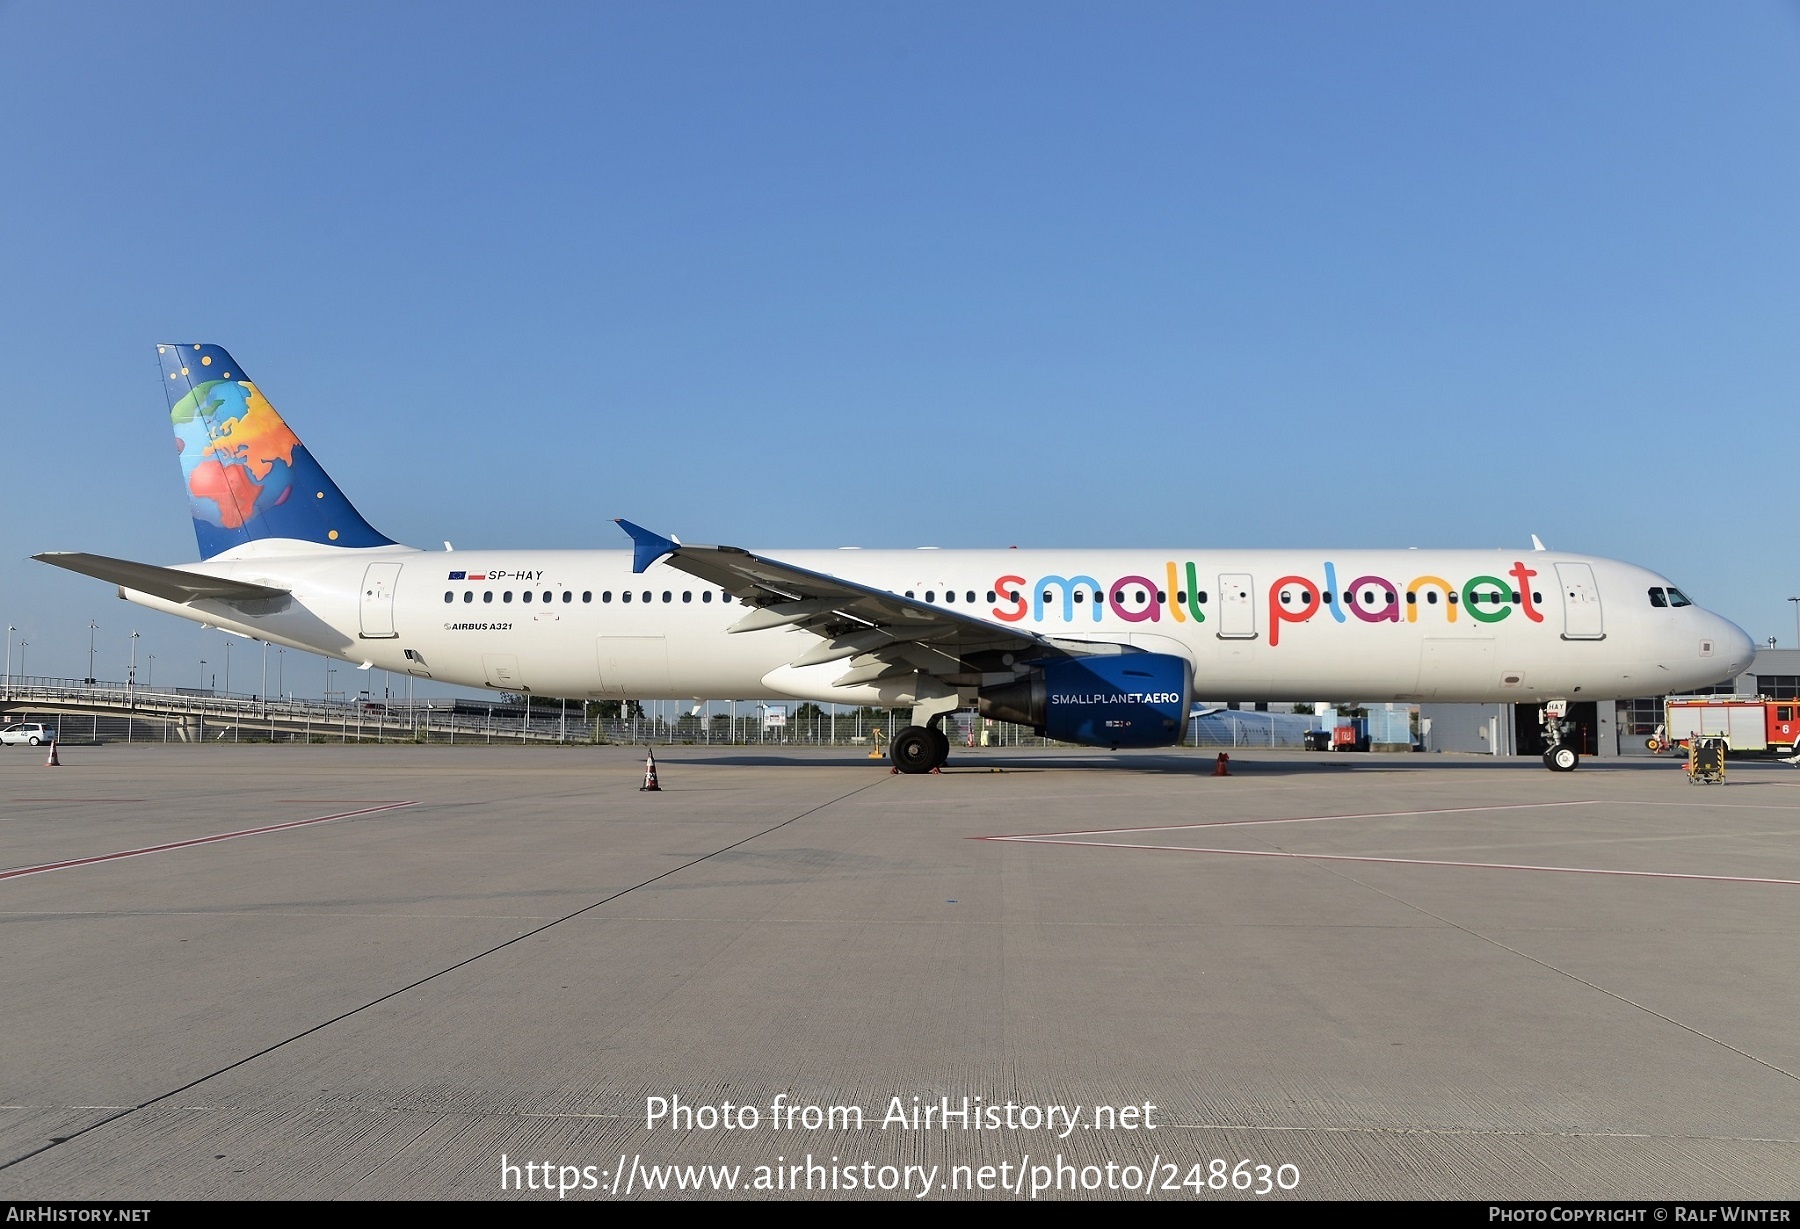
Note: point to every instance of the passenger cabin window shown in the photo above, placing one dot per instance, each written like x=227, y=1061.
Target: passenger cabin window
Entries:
x=507, y=596
x=587, y=595
x=525, y=596
x=970, y=595
x=625, y=595
x=687, y=595
x=487, y=595
x=568, y=596
x=449, y=596
x=706, y=596
x=950, y=595
x=468, y=595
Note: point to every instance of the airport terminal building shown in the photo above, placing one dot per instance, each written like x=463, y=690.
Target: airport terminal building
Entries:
x=1606, y=727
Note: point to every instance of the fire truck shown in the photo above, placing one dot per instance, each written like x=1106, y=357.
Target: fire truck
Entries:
x=1746, y=723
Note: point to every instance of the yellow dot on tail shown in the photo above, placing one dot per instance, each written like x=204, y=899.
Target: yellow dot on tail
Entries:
x=171, y=375
x=196, y=347
x=206, y=360
x=320, y=495
x=162, y=350
x=184, y=371
x=332, y=535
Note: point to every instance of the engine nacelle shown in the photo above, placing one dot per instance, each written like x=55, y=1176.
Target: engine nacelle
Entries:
x=1127, y=700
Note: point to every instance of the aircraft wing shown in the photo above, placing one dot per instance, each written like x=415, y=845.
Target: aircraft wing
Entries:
x=884, y=633
x=170, y=584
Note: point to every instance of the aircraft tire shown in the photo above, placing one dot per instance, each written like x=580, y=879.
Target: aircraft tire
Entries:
x=943, y=746
x=915, y=750
x=1561, y=759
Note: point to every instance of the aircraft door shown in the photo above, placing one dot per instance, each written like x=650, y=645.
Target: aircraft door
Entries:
x=379, y=583
x=1237, y=607
x=1581, y=602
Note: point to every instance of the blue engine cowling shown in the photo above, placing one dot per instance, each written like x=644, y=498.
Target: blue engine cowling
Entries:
x=1128, y=700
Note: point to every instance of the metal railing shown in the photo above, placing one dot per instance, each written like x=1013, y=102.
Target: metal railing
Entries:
x=119, y=712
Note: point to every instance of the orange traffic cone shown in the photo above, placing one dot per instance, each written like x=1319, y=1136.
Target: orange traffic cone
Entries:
x=649, y=786
x=52, y=762
x=1220, y=769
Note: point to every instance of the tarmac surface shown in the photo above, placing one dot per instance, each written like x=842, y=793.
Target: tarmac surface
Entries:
x=431, y=972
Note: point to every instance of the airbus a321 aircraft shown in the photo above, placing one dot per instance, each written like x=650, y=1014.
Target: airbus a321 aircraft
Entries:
x=1100, y=647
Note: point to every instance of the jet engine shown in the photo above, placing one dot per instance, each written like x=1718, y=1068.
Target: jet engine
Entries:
x=1123, y=700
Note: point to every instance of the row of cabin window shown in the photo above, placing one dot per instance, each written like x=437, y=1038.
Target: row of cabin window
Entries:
x=1412, y=599
x=1080, y=595
x=588, y=596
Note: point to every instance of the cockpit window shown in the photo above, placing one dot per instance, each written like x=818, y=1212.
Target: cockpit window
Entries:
x=1678, y=598
x=1657, y=599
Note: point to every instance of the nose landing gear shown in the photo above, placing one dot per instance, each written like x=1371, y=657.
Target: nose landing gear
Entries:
x=1559, y=756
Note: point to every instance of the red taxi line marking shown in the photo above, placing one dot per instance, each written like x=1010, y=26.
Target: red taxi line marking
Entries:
x=1340, y=857
x=199, y=840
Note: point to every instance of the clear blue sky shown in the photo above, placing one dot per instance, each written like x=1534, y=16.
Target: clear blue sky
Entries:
x=808, y=274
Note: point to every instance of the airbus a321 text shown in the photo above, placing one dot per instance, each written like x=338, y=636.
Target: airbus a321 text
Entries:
x=1105, y=648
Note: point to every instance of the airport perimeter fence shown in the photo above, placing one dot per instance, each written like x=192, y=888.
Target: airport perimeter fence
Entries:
x=116, y=713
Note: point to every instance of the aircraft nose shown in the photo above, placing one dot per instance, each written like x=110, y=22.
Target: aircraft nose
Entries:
x=1734, y=645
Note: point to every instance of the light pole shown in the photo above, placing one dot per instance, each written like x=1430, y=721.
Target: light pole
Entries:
x=10, y=629
x=281, y=672
x=131, y=675
x=150, y=676
x=92, y=628
x=1796, y=602
x=23, y=645
x=228, y=667
x=201, y=683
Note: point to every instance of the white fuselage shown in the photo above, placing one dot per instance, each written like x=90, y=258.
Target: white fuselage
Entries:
x=1410, y=625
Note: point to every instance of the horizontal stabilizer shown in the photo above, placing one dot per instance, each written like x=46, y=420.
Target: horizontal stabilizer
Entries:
x=170, y=584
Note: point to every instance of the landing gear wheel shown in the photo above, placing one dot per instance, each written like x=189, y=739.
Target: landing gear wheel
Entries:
x=917, y=749
x=1561, y=759
x=943, y=746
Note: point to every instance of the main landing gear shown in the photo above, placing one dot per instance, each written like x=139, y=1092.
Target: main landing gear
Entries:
x=923, y=746
x=1560, y=756
x=919, y=748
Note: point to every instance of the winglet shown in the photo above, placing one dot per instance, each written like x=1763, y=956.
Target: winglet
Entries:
x=1535, y=543
x=647, y=547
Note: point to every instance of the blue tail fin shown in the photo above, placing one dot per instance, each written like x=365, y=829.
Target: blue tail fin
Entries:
x=248, y=476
